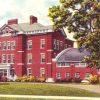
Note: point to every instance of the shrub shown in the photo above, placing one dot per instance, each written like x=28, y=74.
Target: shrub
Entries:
x=41, y=79
x=93, y=79
x=18, y=79
x=4, y=79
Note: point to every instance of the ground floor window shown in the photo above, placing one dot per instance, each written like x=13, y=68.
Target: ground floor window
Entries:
x=29, y=71
x=3, y=72
x=12, y=72
x=87, y=74
x=42, y=72
x=58, y=75
x=77, y=75
x=67, y=74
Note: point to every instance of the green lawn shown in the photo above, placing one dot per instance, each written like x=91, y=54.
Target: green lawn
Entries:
x=24, y=99
x=43, y=89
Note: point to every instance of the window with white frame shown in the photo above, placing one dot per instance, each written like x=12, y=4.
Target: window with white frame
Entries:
x=42, y=43
x=42, y=72
x=8, y=58
x=3, y=58
x=42, y=57
x=12, y=72
x=8, y=45
x=77, y=75
x=61, y=45
x=29, y=44
x=29, y=71
x=4, y=45
x=57, y=44
x=13, y=45
x=12, y=58
x=29, y=56
x=67, y=74
x=62, y=64
x=54, y=43
x=87, y=74
x=58, y=75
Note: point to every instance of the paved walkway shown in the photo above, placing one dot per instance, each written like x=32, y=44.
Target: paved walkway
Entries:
x=92, y=88
x=50, y=97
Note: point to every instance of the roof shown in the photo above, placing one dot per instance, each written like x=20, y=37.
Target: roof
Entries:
x=29, y=27
x=71, y=55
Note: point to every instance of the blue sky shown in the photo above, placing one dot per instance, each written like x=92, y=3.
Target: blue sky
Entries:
x=22, y=9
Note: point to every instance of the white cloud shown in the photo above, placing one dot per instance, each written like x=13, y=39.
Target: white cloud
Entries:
x=22, y=9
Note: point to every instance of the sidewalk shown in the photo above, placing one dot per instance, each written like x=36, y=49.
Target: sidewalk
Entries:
x=50, y=97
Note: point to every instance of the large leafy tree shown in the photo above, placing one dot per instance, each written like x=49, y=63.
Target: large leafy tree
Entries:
x=83, y=18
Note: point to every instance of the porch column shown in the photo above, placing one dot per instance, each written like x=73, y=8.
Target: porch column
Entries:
x=8, y=73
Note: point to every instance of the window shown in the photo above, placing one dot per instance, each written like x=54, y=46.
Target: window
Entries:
x=29, y=71
x=61, y=45
x=42, y=57
x=77, y=75
x=8, y=45
x=60, y=64
x=4, y=45
x=12, y=71
x=42, y=72
x=54, y=43
x=58, y=75
x=8, y=58
x=29, y=58
x=3, y=58
x=42, y=43
x=67, y=74
x=87, y=74
x=12, y=58
x=13, y=45
x=57, y=44
x=29, y=44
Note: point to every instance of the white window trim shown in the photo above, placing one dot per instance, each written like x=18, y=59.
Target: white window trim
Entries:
x=4, y=44
x=77, y=76
x=29, y=58
x=42, y=72
x=58, y=76
x=28, y=71
x=41, y=58
x=13, y=45
x=9, y=45
x=4, y=59
x=66, y=75
x=8, y=59
x=28, y=44
x=42, y=42
x=12, y=59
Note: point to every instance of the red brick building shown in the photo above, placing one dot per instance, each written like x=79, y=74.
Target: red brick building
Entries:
x=68, y=65
x=28, y=48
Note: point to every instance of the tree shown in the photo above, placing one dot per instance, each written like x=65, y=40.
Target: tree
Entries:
x=83, y=18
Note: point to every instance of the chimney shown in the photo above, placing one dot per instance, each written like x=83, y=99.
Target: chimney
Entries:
x=12, y=21
x=33, y=19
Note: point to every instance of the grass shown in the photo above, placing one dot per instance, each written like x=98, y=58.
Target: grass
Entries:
x=43, y=89
x=23, y=99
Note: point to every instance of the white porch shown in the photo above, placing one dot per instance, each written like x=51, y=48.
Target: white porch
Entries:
x=5, y=70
